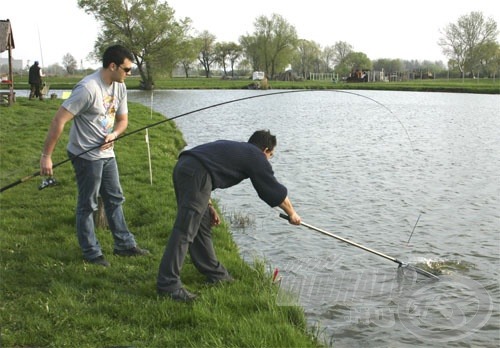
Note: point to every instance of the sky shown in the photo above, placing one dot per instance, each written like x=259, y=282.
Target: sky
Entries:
x=47, y=30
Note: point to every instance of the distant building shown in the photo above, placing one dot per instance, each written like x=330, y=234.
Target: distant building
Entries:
x=17, y=64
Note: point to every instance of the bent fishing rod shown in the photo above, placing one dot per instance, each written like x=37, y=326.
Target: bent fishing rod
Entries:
x=400, y=263
x=35, y=174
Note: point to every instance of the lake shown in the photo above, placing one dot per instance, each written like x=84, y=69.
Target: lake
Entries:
x=412, y=175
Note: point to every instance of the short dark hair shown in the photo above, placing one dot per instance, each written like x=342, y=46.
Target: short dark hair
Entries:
x=263, y=139
x=116, y=54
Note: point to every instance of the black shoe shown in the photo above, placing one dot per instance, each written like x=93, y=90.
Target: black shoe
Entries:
x=99, y=260
x=180, y=295
x=135, y=251
x=226, y=279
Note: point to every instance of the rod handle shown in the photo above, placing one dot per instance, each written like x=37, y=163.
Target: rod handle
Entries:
x=284, y=216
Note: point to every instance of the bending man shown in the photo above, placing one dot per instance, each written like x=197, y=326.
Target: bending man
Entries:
x=220, y=164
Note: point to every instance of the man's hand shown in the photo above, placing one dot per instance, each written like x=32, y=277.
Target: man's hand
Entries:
x=109, y=141
x=46, y=165
x=214, y=215
x=215, y=219
x=294, y=219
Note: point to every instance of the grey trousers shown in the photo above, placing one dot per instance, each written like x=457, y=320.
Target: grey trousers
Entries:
x=192, y=227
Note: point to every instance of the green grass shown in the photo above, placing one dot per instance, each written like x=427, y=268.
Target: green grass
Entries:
x=482, y=85
x=50, y=298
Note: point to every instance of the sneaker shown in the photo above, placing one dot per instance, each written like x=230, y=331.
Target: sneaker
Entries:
x=180, y=295
x=135, y=251
x=226, y=279
x=99, y=260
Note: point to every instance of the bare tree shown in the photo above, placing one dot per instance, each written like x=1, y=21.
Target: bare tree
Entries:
x=69, y=63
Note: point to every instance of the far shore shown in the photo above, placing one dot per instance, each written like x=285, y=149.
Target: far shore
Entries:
x=480, y=85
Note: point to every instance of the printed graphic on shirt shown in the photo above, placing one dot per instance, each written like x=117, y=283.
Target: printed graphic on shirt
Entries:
x=107, y=121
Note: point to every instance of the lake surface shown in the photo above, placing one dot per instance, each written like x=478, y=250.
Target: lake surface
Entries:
x=376, y=168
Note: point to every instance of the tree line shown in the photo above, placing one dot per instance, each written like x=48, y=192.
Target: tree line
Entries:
x=161, y=43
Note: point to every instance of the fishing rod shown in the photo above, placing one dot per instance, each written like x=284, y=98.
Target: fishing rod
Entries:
x=44, y=85
x=400, y=263
x=415, y=226
x=26, y=178
x=40, y=43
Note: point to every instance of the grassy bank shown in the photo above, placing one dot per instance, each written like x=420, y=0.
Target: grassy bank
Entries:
x=483, y=85
x=50, y=298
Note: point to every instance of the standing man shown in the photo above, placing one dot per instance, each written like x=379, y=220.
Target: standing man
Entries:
x=98, y=108
x=35, y=81
x=220, y=164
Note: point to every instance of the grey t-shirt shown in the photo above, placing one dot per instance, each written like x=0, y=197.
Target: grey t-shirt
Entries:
x=94, y=105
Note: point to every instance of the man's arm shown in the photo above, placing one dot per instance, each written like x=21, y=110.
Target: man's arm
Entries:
x=61, y=117
x=121, y=124
x=287, y=206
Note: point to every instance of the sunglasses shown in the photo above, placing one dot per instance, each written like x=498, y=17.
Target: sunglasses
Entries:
x=127, y=70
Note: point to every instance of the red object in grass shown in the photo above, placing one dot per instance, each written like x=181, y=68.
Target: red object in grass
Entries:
x=275, y=274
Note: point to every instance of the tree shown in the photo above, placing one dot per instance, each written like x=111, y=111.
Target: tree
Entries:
x=227, y=52
x=69, y=63
x=463, y=41
x=308, y=58
x=55, y=70
x=328, y=58
x=234, y=54
x=189, y=53
x=388, y=65
x=340, y=51
x=352, y=62
x=146, y=27
x=416, y=69
x=206, y=51
x=489, y=58
x=251, y=51
x=272, y=45
x=358, y=61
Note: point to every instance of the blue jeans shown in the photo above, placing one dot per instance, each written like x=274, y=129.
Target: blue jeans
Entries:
x=94, y=178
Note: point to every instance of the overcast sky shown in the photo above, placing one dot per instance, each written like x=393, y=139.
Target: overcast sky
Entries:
x=47, y=30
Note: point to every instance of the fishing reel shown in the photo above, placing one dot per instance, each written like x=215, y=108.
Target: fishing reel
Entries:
x=50, y=181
